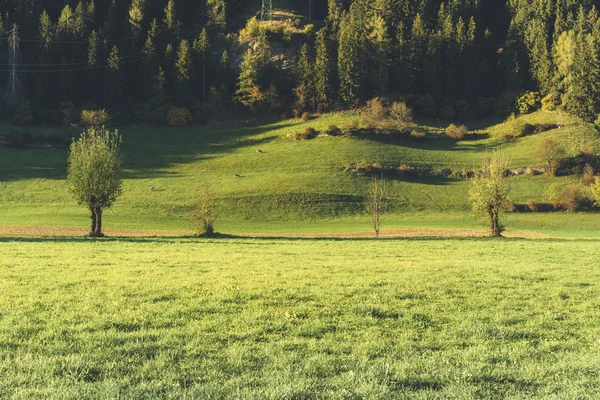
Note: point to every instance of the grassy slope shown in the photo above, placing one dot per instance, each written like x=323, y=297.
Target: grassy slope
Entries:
x=251, y=318
x=289, y=181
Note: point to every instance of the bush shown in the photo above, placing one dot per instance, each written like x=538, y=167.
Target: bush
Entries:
x=572, y=198
x=533, y=205
x=550, y=102
x=455, y=132
x=297, y=113
x=588, y=174
x=252, y=29
x=93, y=118
x=418, y=134
x=373, y=113
x=568, y=197
x=529, y=102
x=332, y=130
x=549, y=153
x=305, y=116
x=204, y=213
x=179, y=117
x=309, y=133
x=321, y=108
x=400, y=113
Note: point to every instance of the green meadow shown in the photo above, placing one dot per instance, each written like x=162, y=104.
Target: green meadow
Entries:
x=277, y=317
x=298, y=319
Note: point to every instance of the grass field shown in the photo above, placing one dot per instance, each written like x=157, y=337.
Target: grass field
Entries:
x=295, y=319
x=289, y=182
x=311, y=308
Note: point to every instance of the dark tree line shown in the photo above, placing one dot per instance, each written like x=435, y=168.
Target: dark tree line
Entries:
x=451, y=58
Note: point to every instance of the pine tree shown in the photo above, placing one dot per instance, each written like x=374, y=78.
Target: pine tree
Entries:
x=249, y=92
x=170, y=19
x=322, y=69
x=114, y=81
x=305, y=93
x=46, y=31
x=201, y=47
x=136, y=16
x=183, y=71
x=65, y=21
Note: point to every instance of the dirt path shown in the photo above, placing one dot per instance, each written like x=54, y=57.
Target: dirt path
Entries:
x=67, y=231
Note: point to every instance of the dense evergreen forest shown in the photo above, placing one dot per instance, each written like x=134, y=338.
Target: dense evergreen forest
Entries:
x=160, y=60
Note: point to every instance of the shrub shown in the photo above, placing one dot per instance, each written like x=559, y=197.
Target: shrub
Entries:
x=418, y=134
x=533, y=205
x=179, y=116
x=455, y=132
x=321, y=108
x=332, y=130
x=568, y=197
x=305, y=116
x=588, y=174
x=204, y=213
x=550, y=154
x=572, y=198
x=529, y=102
x=596, y=191
x=374, y=112
x=297, y=113
x=400, y=113
x=93, y=118
x=252, y=29
x=309, y=133
x=550, y=102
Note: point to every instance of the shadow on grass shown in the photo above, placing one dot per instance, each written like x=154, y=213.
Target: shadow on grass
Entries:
x=224, y=237
x=147, y=151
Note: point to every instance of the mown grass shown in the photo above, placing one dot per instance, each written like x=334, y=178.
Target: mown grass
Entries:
x=291, y=181
x=289, y=319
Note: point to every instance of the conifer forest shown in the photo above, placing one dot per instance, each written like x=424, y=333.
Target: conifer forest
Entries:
x=138, y=59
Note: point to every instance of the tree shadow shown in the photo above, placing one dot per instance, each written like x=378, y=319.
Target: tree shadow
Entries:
x=148, y=151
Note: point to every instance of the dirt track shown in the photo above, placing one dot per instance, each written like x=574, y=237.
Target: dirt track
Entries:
x=66, y=231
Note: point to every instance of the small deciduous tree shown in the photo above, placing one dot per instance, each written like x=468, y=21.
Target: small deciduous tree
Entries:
x=549, y=153
x=94, y=169
x=489, y=190
x=203, y=213
x=375, y=202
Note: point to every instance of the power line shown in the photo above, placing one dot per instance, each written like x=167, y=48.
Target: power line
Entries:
x=79, y=69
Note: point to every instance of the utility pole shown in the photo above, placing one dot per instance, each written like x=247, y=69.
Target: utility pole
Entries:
x=266, y=11
x=14, y=83
x=310, y=10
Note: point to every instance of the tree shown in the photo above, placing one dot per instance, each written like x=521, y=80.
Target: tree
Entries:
x=93, y=172
x=322, y=69
x=489, y=190
x=549, y=153
x=375, y=202
x=201, y=47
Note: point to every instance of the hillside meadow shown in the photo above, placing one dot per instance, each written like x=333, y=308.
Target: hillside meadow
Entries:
x=289, y=184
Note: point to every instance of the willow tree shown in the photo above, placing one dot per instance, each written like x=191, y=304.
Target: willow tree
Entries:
x=489, y=190
x=94, y=172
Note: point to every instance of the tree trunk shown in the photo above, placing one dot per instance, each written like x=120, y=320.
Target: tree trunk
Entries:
x=93, y=218
x=495, y=225
x=98, y=232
